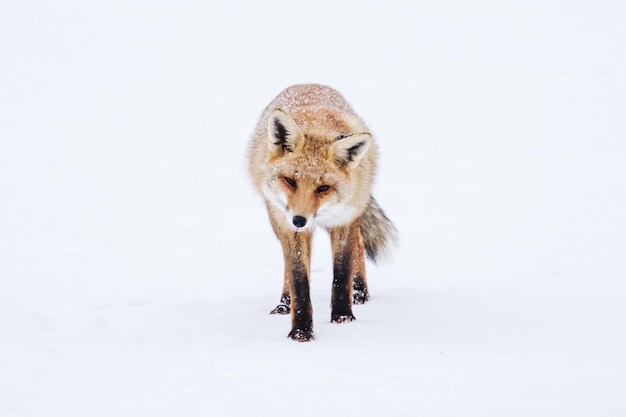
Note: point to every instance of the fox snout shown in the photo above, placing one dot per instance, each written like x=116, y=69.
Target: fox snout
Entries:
x=299, y=221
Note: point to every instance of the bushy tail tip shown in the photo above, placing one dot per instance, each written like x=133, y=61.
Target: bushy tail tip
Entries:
x=379, y=234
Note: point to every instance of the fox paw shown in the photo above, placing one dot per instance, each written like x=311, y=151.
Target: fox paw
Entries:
x=281, y=309
x=359, y=290
x=342, y=318
x=300, y=335
x=360, y=296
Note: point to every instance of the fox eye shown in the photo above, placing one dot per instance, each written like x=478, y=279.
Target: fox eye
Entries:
x=291, y=182
x=322, y=188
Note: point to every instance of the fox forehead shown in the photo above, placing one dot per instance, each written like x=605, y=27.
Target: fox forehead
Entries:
x=306, y=170
x=322, y=123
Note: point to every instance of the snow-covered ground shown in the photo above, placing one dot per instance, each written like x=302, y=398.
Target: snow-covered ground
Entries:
x=137, y=265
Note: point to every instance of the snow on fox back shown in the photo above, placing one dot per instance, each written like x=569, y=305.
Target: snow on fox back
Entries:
x=302, y=101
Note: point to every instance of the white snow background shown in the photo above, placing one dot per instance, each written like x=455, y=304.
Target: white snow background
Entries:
x=138, y=267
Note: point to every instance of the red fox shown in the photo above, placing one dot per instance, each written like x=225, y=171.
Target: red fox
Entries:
x=313, y=160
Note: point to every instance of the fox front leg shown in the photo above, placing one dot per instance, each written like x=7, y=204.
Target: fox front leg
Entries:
x=297, y=251
x=345, y=243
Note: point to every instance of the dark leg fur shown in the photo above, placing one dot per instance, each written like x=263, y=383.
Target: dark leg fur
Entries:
x=302, y=311
x=295, y=297
x=345, y=251
x=341, y=300
x=341, y=305
x=359, y=294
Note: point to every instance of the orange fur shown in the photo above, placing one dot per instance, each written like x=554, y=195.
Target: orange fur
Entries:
x=313, y=160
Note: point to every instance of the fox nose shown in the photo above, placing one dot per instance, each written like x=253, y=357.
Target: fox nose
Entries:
x=299, y=221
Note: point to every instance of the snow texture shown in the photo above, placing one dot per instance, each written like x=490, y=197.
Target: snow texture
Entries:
x=138, y=268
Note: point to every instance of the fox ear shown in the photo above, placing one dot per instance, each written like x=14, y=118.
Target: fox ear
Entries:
x=284, y=133
x=348, y=151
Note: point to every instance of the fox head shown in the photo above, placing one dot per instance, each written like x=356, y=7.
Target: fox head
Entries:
x=312, y=178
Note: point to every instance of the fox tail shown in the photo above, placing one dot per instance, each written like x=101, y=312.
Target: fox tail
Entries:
x=379, y=234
